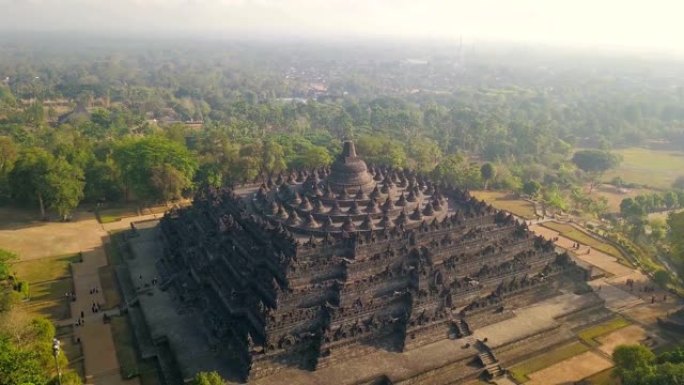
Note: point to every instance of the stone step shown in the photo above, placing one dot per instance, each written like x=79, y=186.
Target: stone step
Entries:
x=494, y=370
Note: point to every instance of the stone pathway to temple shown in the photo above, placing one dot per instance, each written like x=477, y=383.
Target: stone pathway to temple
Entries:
x=33, y=240
x=639, y=306
x=101, y=363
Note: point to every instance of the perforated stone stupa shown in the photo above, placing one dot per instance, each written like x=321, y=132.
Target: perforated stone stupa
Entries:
x=313, y=267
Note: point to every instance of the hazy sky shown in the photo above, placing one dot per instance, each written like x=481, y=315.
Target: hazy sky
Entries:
x=655, y=24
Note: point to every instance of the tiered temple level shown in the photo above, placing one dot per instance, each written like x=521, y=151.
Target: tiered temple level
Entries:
x=315, y=267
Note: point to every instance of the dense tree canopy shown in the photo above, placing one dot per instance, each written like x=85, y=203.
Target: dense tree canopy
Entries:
x=676, y=223
x=594, y=162
x=155, y=168
x=637, y=365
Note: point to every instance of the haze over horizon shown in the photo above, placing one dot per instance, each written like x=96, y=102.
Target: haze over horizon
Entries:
x=634, y=25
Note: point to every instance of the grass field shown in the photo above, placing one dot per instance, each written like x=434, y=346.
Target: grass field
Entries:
x=614, y=196
x=652, y=168
x=520, y=371
x=662, y=215
x=125, y=350
x=115, y=214
x=49, y=279
x=589, y=335
x=51, y=290
x=575, y=234
x=74, y=354
x=504, y=201
x=109, y=287
x=45, y=269
x=131, y=365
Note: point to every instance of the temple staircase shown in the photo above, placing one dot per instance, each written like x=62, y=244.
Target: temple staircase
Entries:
x=463, y=327
x=490, y=364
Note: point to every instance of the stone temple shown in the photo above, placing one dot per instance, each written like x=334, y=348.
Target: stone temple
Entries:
x=314, y=268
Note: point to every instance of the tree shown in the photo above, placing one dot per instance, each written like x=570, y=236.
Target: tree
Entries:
x=314, y=156
x=662, y=278
x=208, y=378
x=209, y=174
x=631, y=357
x=629, y=208
x=671, y=200
x=381, y=150
x=28, y=179
x=168, y=182
x=487, y=173
x=8, y=155
x=425, y=154
x=103, y=182
x=554, y=198
x=594, y=162
x=676, y=223
x=19, y=366
x=65, y=187
x=145, y=164
x=272, y=158
x=6, y=259
x=456, y=170
x=531, y=188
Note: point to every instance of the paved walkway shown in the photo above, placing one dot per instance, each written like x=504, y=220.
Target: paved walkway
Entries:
x=33, y=240
x=633, y=303
x=595, y=257
x=532, y=319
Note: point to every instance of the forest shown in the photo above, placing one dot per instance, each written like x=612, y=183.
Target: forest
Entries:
x=119, y=120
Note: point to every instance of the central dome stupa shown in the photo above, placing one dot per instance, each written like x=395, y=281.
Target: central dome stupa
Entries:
x=349, y=171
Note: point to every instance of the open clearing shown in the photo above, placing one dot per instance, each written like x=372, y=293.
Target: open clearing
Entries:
x=521, y=371
x=45, y=269
x=570, y=370
x=614, y=196
x=49, y=279
x=590, y=335
x=506, y=201
x=662, y=215
x=632, y=334
x=652, y=168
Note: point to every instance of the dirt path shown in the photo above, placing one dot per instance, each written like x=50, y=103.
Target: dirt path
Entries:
x=594, y=257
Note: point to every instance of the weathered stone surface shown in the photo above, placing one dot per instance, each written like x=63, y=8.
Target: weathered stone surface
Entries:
x=315, y=280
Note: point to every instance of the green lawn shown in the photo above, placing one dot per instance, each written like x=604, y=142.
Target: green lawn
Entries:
x=50, y=290
x=54, y=309
x=646, y=167
x=520, y=371
x=49, y=279
x=504, y=201
x=131, y=365
x=125, y=350
x=112, y=250
x=115, y=214
x=589, y=335
x=575, y=234
x=662, y=215
x=109, y=286
x=45, y=269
